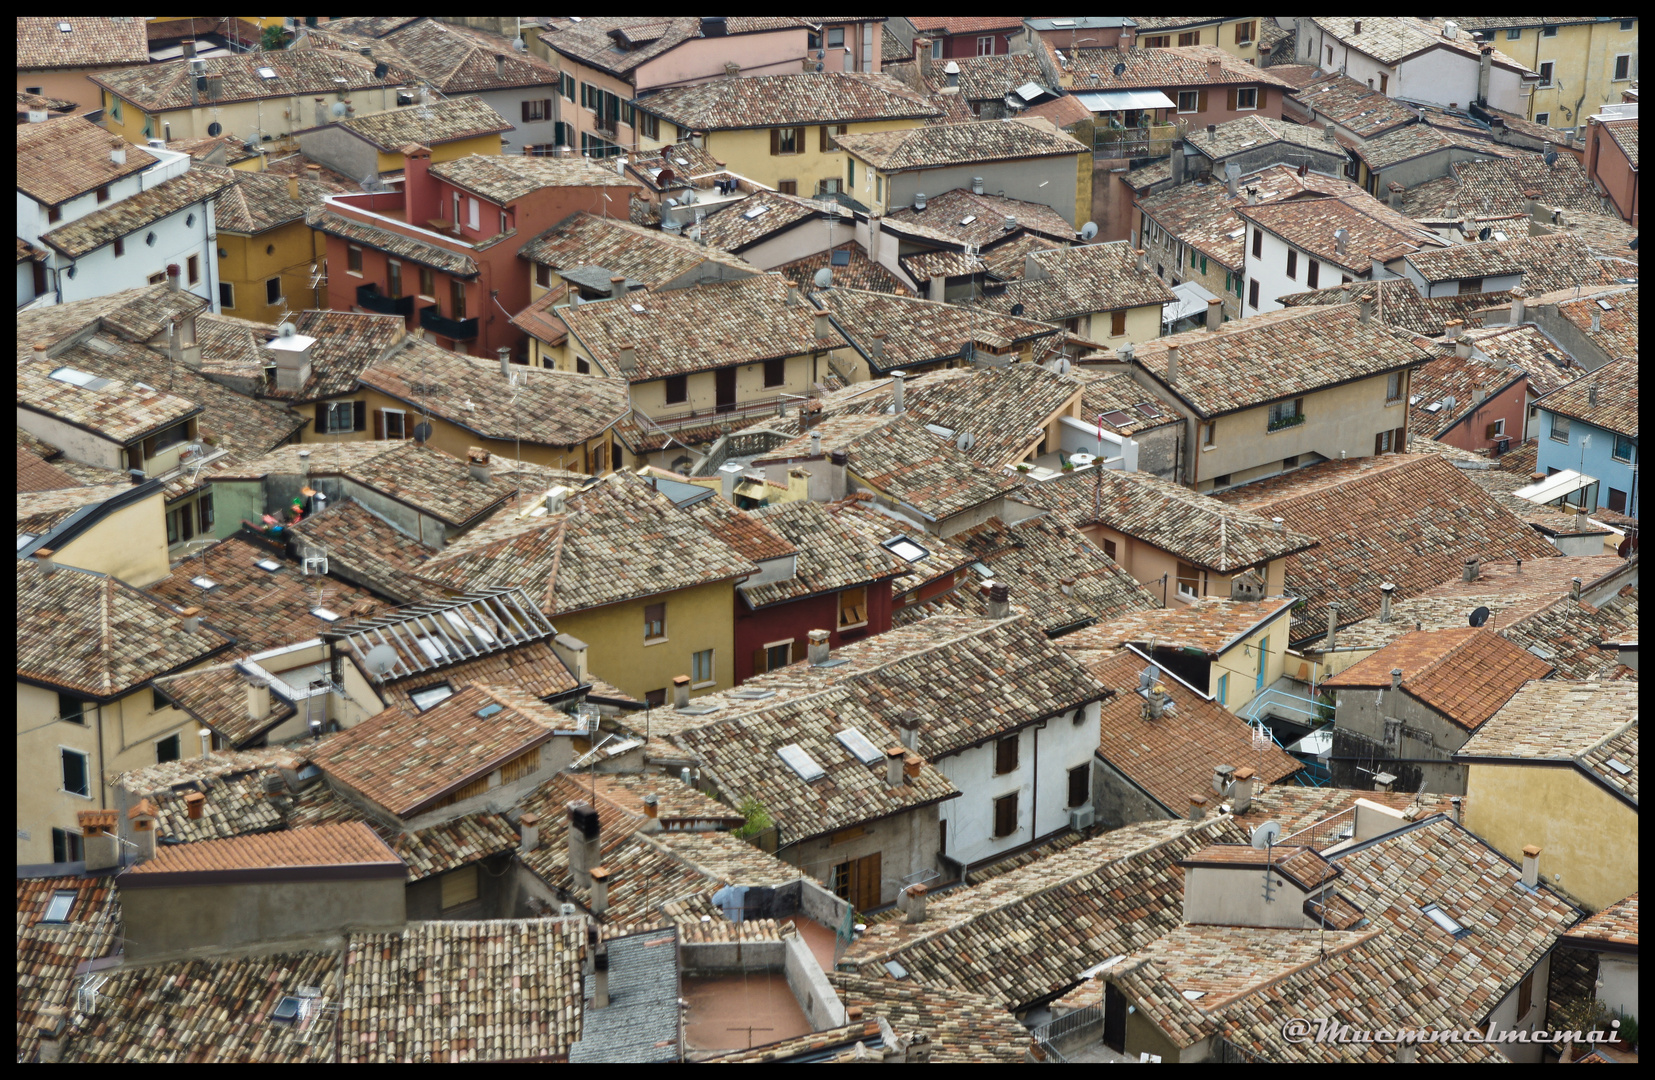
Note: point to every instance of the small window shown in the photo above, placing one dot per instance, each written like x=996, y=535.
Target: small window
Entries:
x=1189, y=578
x=1548, y=31
x=1252, y=294
x=1624, y=449
x=1284, y=414
x=1292, y=264
x=1222, y=696
x=677, y=389
x=1546, y=74
x=76, y=772
x=1312, y=273
x=787, y=187
x=1109, y=550
x=1393, y=387
x=456, y=300
x=1080, y=785
x=649, y=126
x=204, y=511
x=785, y=141
x=393, y=280
x=428, y=283
x=66, y=846
x=1623, y=67
x=1117, y=323
x=1005, y=755
x=59, y=906
x=1156, y=41
x=1258, y=243
x=193, y=269
x=1626, y=24
x=1245, y=32
x=273, y=291
x=353, y=259
x=1617, y=503
x=459, y=887
x=536, y=109
x=836, y=37
x=1209, y=433
x=701, y=667
x=1291, y=461
x=167, y=749
x=1514, y=35
x=936, y=48
x=103, y=193
x=543, y=276
x=853, y=608
x=1191, y=38
x=1560, y=428
x=226, y=295
x=54, y=214
x=655, y=622
x=985, y=45
x=1005, y=815
x=71, y=709
x=1444, y=920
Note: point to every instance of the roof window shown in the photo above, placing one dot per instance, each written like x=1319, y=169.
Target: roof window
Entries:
x=756, y=211
x=204, y=582
x=57, y=908
x=490, y=710
x=860, y=746
x=1444, y=920
x=1148, y=408
x=1619, y=766
x=324, y=614
x=1117, y=418
x=840, y=258
x=905, y=548
x=801, y=762
x=269, y=566
x=267, y=73
x=424, y=699
x=76, y=377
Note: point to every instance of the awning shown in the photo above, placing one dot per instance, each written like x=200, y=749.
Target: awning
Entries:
x=1192, y=300
x=1556, y=486
x=1100, y=101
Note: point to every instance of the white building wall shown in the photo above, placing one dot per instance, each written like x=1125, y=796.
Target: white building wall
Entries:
x=1505, y=1018
x=1618, y=982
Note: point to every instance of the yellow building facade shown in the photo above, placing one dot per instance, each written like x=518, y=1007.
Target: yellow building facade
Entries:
x=269, y=273
x=1583, y=63
x=274, y=116
x=799, y=160
x=697, y=619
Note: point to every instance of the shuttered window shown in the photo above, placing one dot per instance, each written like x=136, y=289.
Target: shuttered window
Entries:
x=1005, y=815
x=1292, y=264
x=459, y=886
x=1258, y=243
x=1313, y=274
x=1005, y=756
x=1117, y=323
x=677, y=389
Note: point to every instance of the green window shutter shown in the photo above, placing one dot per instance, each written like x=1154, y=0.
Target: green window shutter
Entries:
x=1203, y=264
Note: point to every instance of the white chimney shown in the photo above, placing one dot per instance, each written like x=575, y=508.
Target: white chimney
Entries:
x=1332, y=624
x=818, y=651
x=1469, y=571
x=1531, y=865
x=1462, y=346
x=584, y=847
x=1198, y=807
x=37, y=115
x=1223, y=777
x=1519, y=304
x=1364, y=309
x=43, y=558
x=174, y=282
x=117, y=151
x=907, y=725
x=477, y=464
x=894, y=757
x=1143, y=260
x=898, y=403
x=191, y=617
x=143, y=818
x=1386, y=591
x=529, y=826
x=600, y=890
x=680, y=691
x=1241, y=797
x=815, y=444
x=976, y=185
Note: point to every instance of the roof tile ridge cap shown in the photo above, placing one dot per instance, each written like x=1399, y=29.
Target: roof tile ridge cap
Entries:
x=1624, y=727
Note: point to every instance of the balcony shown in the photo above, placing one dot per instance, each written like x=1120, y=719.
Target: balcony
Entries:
x=1281, y=423
x=369, y=298
x=431, y=318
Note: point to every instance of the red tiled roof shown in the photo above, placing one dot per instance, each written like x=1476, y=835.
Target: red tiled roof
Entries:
x=350, y=844
x=1465, y=673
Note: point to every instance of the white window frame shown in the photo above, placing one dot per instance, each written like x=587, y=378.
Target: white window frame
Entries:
x=1195, y=101
x=1500, y=428
x=985, y=39
x=1240, y=90
x=1180, y=588
x=1621, y=78
x=1547, y=68
x=473, y=214
x=87, y=759
x=402, y=423
x=695, y=668
x=1544, y=119
x=832, y=30
x=1614, y=449
x=936, y=53
x=350, y=413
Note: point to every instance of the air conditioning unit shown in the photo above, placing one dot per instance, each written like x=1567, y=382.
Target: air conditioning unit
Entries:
x=568, y=911
x=1082, y=817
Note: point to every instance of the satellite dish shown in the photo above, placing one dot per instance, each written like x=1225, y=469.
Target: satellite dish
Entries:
x=1479, y=616
x=1266, y=834
x=1147, y=677
x=422, y=432
x=818, y=69
x=215, y=129
x=966, y=440
x=1550, y=157
x=1088, y=230
x=823, y=278
x=286, y=329
x=1064, y=365
x=380, y=660
x=1120, y=69
x=338, y=108
x=1017, y=309
x=1484, y=233
x=381, y=70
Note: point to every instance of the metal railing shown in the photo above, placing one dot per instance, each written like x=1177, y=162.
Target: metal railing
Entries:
x=1280, y=423
x=1066, y=1027
x=369, y=298
x=1321, y=835
x=695, y=417
x=1135, y=142
x=432, y=319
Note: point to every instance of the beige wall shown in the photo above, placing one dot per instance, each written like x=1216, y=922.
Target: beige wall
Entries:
x=274, y=116
x=1269, y=641
x=455, y=441
x=748, y=152
x=130, y=544
x=650, y=396
x=1588, y=836
x=1146, y=563
x=171, y=920
x=1142, y=324
x=698, y=618
x=69, y=85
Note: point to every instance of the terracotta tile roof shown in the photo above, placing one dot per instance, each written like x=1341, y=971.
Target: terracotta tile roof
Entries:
x=1196, y=528
x=1111, y=392
x=39, y=512
x=1275, y=356
x=68, y=156
x=86, y=234
x=1501, y=257
x=1209, y=625
x=456, y=59
x=1298, y=809
x=541, y=406
x=1391, y=39
x=941, y=145
x=954, y=24
x=1185, y=66
x=618, y=44
x=767, y=101
x=1028, y=934
x=160, y=88
x=369, y=551
x=1615, y=331
x=1204, y=215
x=258, y=201
x=346, y=342
x=350, y=844
x=121, y=411
x=829, y=557
x=1616, y=926
x=1607, y=759
x=743, y=224
x=1466, y=674
x=236, y=803
x=1392, y=148
x=1064, y=112
x=648, y=256
x=260, y=608
x=1353, y=105
x=216, y=697
x=686, y=160
x=1068, y=282
x=1498, y=187
x=92, y=42
x=856, y=512
x=1414, y=520
x=1173, y=757
x=918, y=332
x=438, y=849
x=533, y=669
x=688, y=330
x=1249, y=133
x=1575, y=636
x=1603, y=233
x=963, y=1028
x=226, y=149
x=27, y=102
x=1009, y=260
x=49, y=954
x=1403, y=306
x=405, y=762
x=505, y=180
x=1561, y=720
x=396, y=243
x=859, y=273
x=33, y=474
x=538, y=321
x=97, y=636
x=568, y=561
x=1607, y=398
x=1376, y=234
x=985, y=78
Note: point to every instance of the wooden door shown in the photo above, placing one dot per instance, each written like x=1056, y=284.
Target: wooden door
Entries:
x=865, y=882
x=725, y=382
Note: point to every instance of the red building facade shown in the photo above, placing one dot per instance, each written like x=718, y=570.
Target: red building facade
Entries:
x=766, y=635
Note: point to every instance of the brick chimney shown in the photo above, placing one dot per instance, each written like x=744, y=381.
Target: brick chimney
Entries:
x=600, y=890
x=907, y=725
x=194, y=805
x=142, y=819
x=51, y=1026
x=584, y=844
x=911, y=765
x=477, y=462
x=102, y=850
x=893, y=766
x=419, y=191
x=818, y=649
x=529, y=827
x=1386, y=592
x=1241, y=798
x=917, y=902
x=680, y=691
x=1531, y=865
x=1215, y=70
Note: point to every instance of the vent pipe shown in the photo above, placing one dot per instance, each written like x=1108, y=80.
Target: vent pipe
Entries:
x=1386, y=591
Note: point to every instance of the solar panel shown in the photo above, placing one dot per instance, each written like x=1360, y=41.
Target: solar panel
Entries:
x=800, y=762
x=860, y=746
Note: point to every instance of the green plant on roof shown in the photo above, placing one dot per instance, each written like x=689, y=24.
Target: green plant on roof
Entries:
x=758, y=819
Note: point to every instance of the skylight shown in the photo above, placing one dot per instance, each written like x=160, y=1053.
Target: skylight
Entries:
x=840, y=258
x=433, y=648
x=968, y=219
x=489, y=710
x=905, y=548
x=860, y=746
x=267, y=73
x=424, y=699
x=324, y=614
x=1619, y=766
x=270, y=565
x=756, y=212
x=466, y=626
x=1194, y=995
x=1117, y=418
x=76, y=377
x=204, y=582
x=1148, y=408
x=801, y=762
x=57, y=908
x=1444, y=920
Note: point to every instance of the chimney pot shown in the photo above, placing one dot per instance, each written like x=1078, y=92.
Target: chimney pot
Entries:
x=258, y=697
x=188, y=48
x=1223, y=777
x=823, y=328
x=815, y=444
x=1364, y=312
x=627, y=358
x=999, y=601
x=191, y=617
x=174, y=283
x=818, y=650
x=894, y=757
x=43, y=557
x=1215, y=313
x=681, y=691
x=1332, y=623
x=1396, y=678
x=1469, y=573
x=652, y=805
x=1531, y=865
x=1241, y=798
x=1574, y=588
x=1281, y=524
x=1386, y=592
x=1519, y=305
x=1456, y=806
x=194, y=803
x=1066, y=586
x=529, y=825
x=600, y=889
x=1383, y=781
x=911, y=764
x=1462, y=346
x=1198, y=807
x=499, y=65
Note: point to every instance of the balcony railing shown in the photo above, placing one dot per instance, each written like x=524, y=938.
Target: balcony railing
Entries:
x=1278, y=423
x=431, y=318
x=369, y=298
x=745, y=410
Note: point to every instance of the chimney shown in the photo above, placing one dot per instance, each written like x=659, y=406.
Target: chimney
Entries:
x=1212, y=133
x=1143, y=260
x=824, y=329
x=188, y=48
x=815, y=444
x=215, y=87
x=617, y=285
x=1172, y=365
x=1232, y=179
x=1066, y=586
x=117, y=150
x=922, y=58
x=504, y=353
x=600, y=977
x=917, y=903
x=191, y=619
x=1386, y=592
x=1356, y=26
x=174, y=282
x=37, y=115
x=194, y=803
x=142, y=818
x=51, y=1025
x=1469, y=573
x=1332, y=624
x=293, y=188
x=1241, y=798
x=911, y=765
x=1364, y=311
x=876, y=232
x=837, y=467
x=102, y=850
x=257, y=689
x=499, y=66
x=600, y=890
x=898, y=402
x=529, y=826
x=976, y=185
x=43, y=558
x=894, y=757
x=1531, y=865
x=1215, y=313
x=999, y=604
x=680, y=691
x=819, y=647
x=1384, y=781
x=477, y=463
x=1281, y=525
x=1223, y=777
x=1485, y=65
x=1462, y=346
x=1176, y=161
x=626, y=358
x=583, y=841
x=1198, y=807
x=1456, y=809
x=1394, y=192
x=907, y=725
x=1396, y=678
x=321, y=111
x=952, y=71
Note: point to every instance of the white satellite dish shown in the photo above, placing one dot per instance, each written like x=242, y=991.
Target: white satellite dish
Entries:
x=338, y=109
x=286, y=329
x=966, y=440
x=823, y=278
x=1063, y=366
x=1266, y=835
x=1089, y=230
x=380, y=660
x=1147, y=677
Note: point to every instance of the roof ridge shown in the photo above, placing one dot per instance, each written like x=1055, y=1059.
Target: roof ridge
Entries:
x=1609, y=738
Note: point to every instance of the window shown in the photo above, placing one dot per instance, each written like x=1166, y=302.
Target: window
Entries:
x=71, y=709
x=1330, y=56
x=1245, y=32
x=836, y=37
x=1544, y=119
x=1546, y=74
x=655, y=622
x=204, y=511
x=1390, y=442
x=827, y=186
x=226, y=295
x=53, y=214
x=393, y=280
x=424, y=699
x=59, y=906
x=787, y=187
x=1470, y=286
x=1291, y=461
x=1252, y=294
x=1548, y=31
x=334, y=417
x=36, y=89
x=1444, y=920
x=649, y=126
x=1005, y=755
x=504, y=221
x=828, y=132
x=156, y=279
x=76, y=770
x=1286, y=414
x=677, y=389
x=103, y=193
x=1156, y=41
x=850, y=174
x=1189, y=100
x=1393, y=387
x=1246, y=98
x=1109, y=549
x=936, y=49
x=1189, y=581
x=167, y=749
x=193, y=269
x=543, y=276
x=459, y=886
x=1617, y=500
x=1292, y=264
x=582, y=367
x=1623, y=67
x=1496, y=429
x=566, y=86
x=115, y=111
x=655, y=698
x=428, y=283
x=66, y=846
x=985, y=45
x=1525, y=995
x=353, y=260
x=775, y=372
x=273, y=291
x=1005, y=815
x=1191, y=38
x=853, y=608
x=1312, y=274
x=1560, y=428
x=1080, y=785
x=119, y=246
x=1209, y=433
x=456, y=299
x=1117, y=323
x=1222, y=696
x=784, y=141
x=879, y=190
x=473, y=216
x=1514, y=35
x=393, y=424
x=774, y=657
x=536, y=110
x=701, y=668
x=1626, y=24
x=1623, y=449
x=1258, y=243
